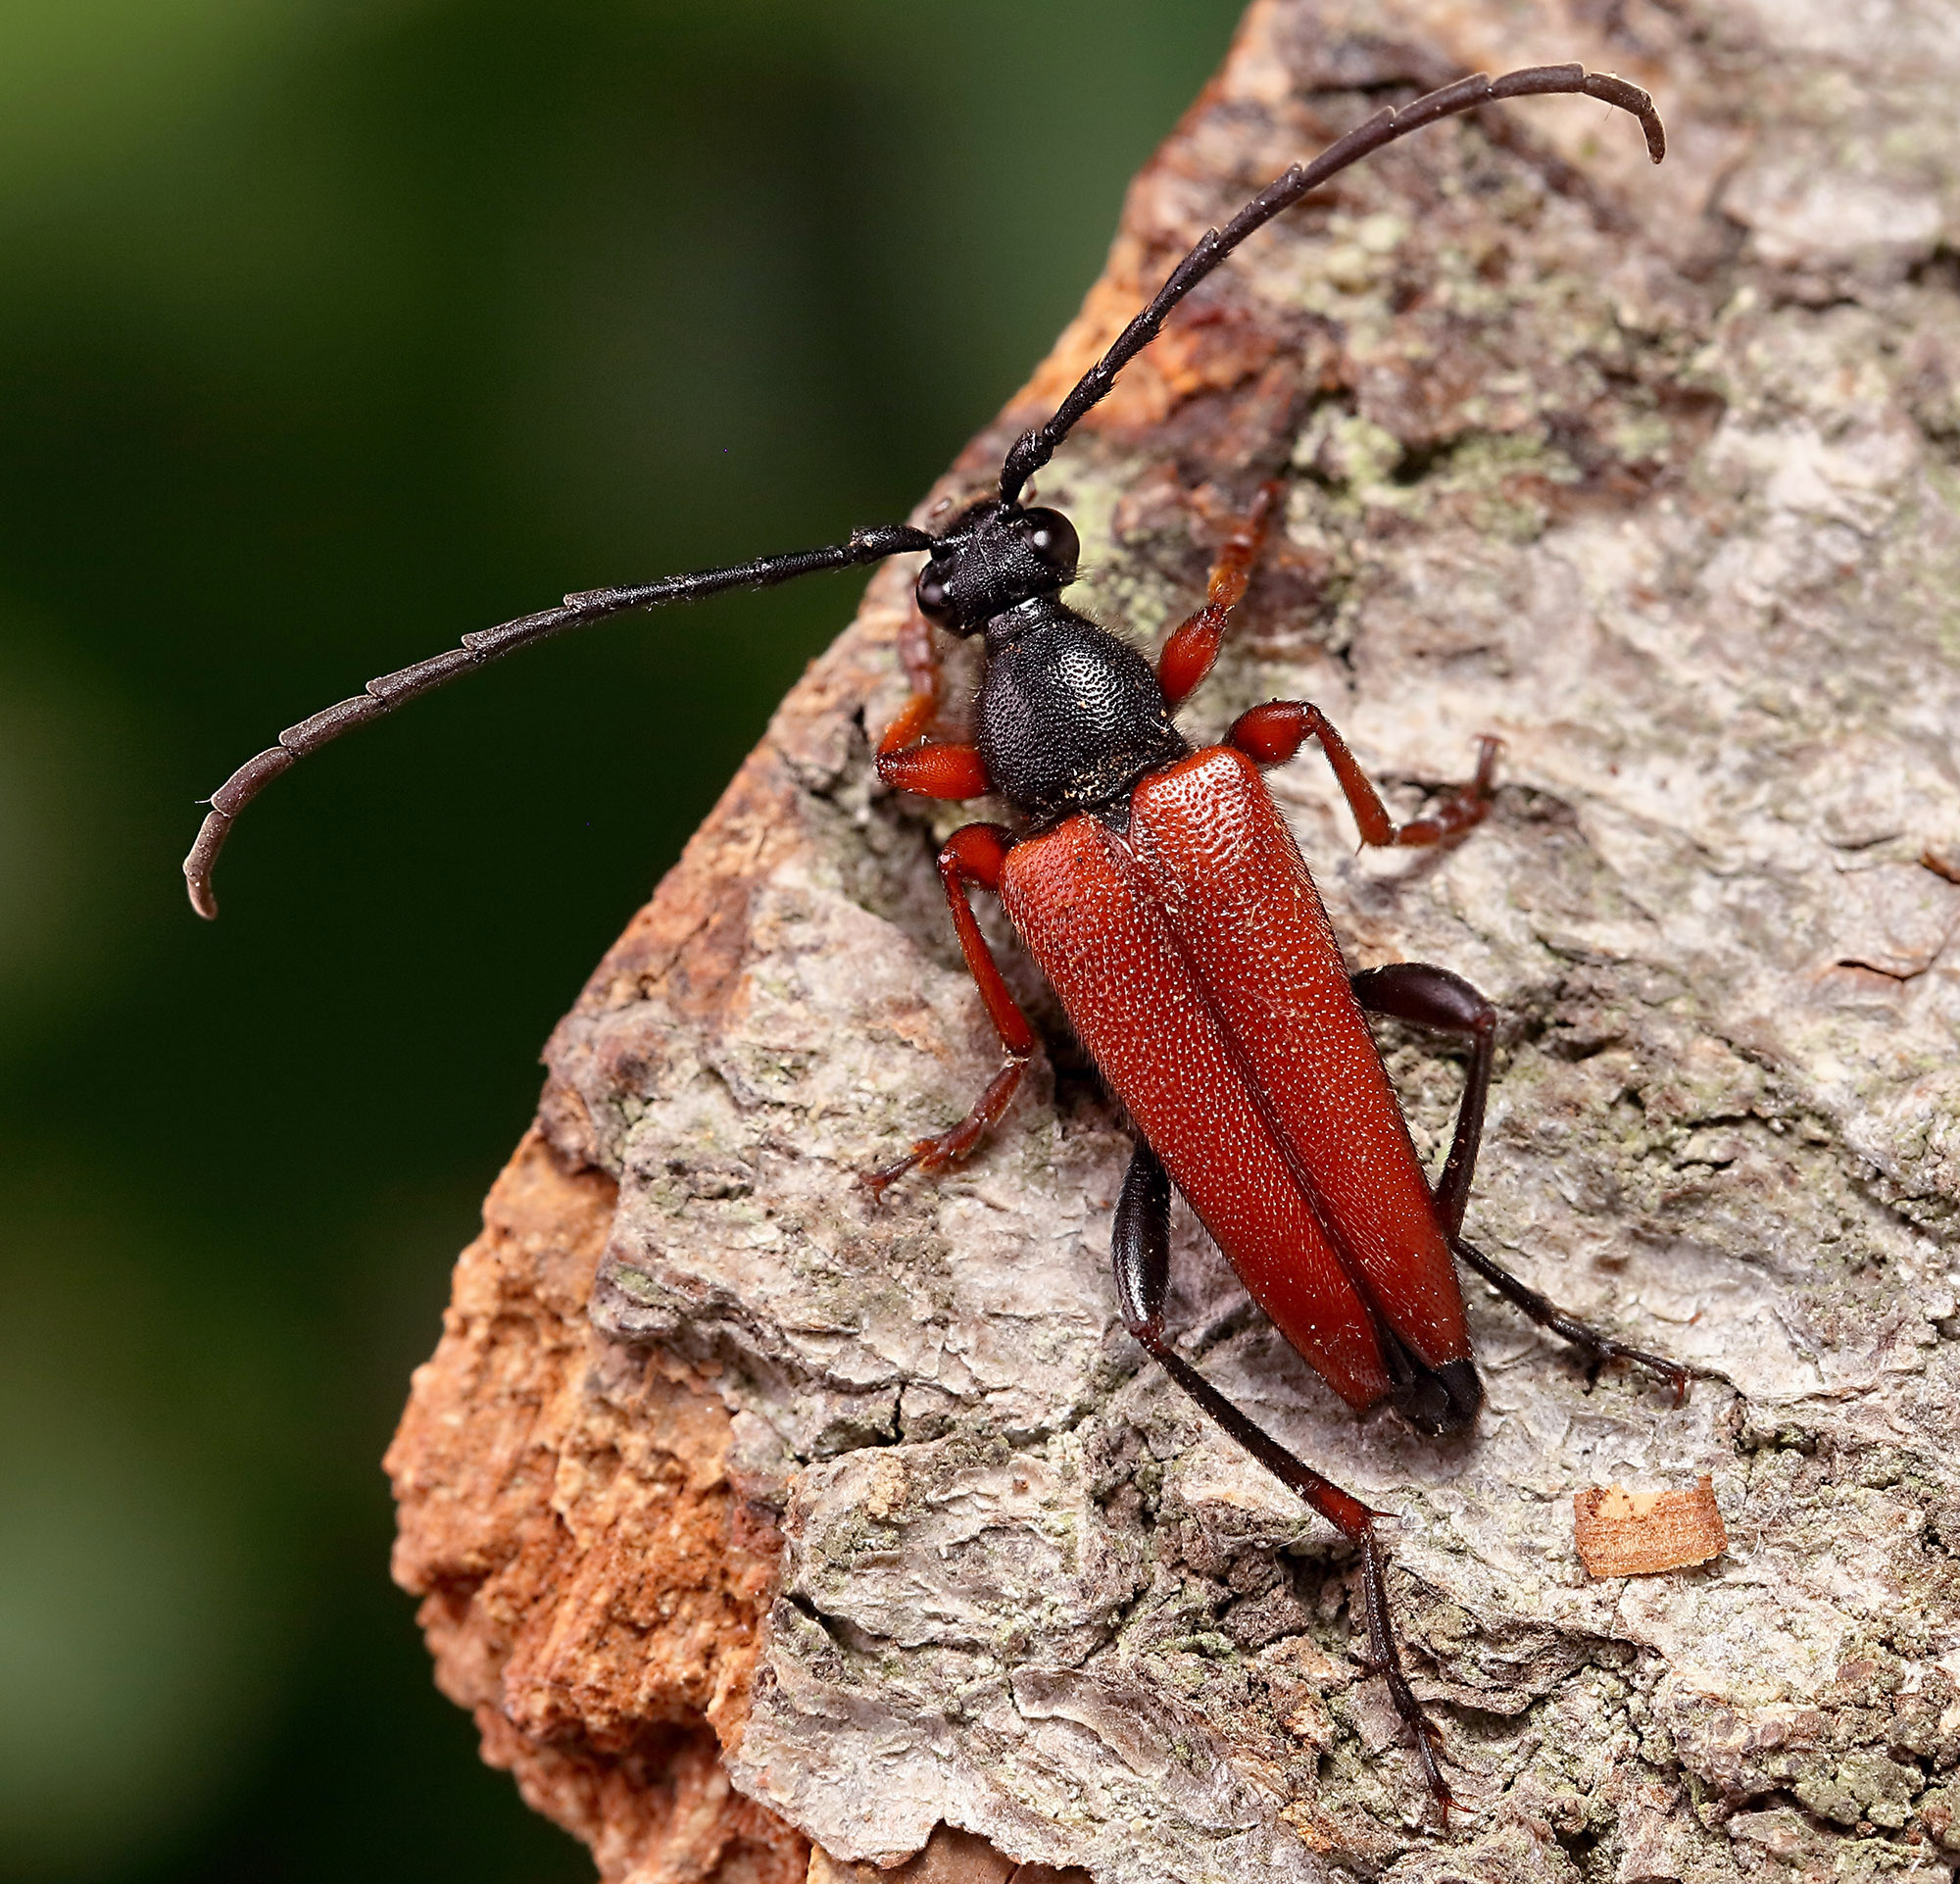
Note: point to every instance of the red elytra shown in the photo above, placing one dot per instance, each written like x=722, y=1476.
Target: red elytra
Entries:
x=1197, y=966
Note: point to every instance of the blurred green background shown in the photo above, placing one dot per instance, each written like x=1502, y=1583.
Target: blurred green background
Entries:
x=328, y=331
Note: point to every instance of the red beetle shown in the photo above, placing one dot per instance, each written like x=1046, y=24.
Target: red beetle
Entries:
x=1163, y=897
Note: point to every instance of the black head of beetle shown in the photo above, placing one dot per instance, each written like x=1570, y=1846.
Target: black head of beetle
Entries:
x=1069, y=716
x=992, y=558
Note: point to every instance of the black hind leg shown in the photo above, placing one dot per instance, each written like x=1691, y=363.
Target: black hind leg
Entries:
x=1440, y=1002
x=1596, y=1348
x=1141, y=1250
x=1444, y=1002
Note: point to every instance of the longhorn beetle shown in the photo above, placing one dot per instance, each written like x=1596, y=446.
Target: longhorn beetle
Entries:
x=1163, y=897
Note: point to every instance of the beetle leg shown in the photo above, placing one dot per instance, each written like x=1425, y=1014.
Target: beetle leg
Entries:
x=1188, y=654
x=1443, y=1002
x=1272, y=734
x=907, y=759
x=1596, y=1347
x=975, y=854
x=1139, y=1249
x=934, y=768
x=918, y=654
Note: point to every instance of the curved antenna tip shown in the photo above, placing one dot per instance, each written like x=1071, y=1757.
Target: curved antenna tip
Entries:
x=389, y=690
x=1611, y=89
x=197, y=866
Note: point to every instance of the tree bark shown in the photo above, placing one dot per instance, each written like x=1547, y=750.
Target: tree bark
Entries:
x=809, y=1520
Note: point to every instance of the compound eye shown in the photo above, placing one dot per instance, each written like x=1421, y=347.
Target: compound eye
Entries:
x=1052, y=537
x=933, y=601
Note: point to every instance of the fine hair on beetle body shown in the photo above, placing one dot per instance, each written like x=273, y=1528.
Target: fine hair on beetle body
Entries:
x=1162, y=896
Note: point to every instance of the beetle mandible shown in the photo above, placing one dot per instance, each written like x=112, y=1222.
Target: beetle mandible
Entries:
x=1162, y=895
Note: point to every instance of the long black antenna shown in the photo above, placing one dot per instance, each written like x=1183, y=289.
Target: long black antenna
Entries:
x=1034, y=448
x=580, y=611
x=1029, y=454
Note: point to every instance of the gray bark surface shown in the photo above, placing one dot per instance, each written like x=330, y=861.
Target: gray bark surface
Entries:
x=1652, y=474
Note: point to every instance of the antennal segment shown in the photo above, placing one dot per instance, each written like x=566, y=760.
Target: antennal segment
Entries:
x=580, y=611
x=1034, y=448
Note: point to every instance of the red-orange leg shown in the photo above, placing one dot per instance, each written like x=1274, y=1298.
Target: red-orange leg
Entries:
x=974, y=855
x=918, y=654
x=914, y=719
x=935, y=770
x=1188, y=654
x=906, y=758
x=1272, y=734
